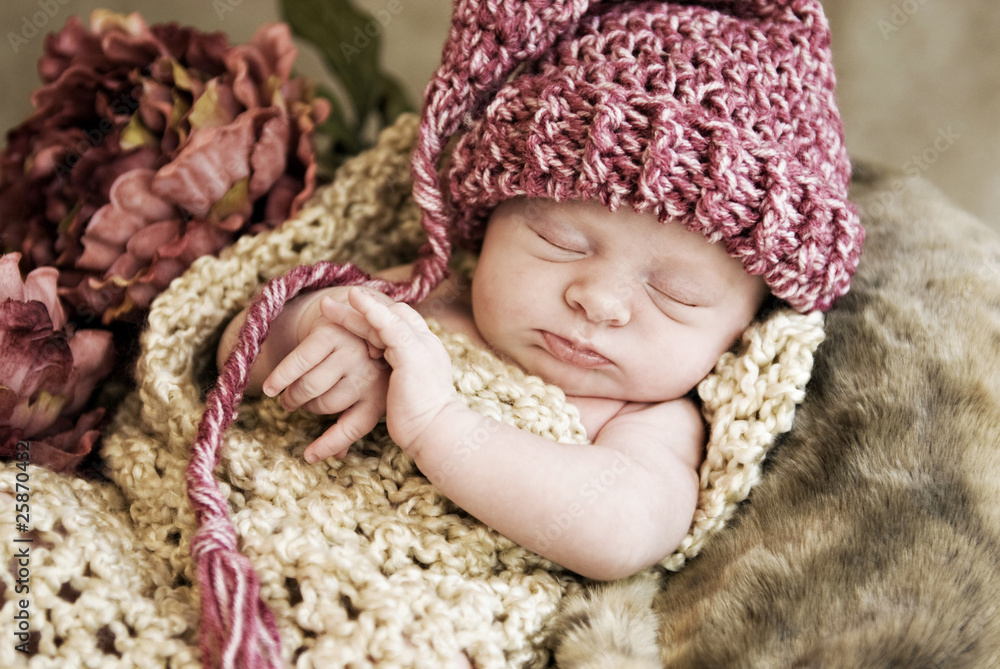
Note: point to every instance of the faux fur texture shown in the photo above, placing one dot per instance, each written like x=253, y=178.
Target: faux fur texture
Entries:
x=873, y=539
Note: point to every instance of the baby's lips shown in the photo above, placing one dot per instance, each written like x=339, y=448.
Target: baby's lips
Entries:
x=569, y=352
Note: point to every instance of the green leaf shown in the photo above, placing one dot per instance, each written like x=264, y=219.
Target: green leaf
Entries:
x=349, y=40
x=207, y=111
x=336, y=28
x=136, y=134
x=394, y=99
x=234, y=201
x=342, y=135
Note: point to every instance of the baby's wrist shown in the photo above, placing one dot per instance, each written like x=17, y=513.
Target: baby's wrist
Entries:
x=436, y=439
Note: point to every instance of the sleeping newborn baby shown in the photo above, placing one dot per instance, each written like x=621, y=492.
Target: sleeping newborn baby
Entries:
x=624, y=313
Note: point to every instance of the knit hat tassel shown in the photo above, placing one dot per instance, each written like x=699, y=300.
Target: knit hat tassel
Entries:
x=237, y=629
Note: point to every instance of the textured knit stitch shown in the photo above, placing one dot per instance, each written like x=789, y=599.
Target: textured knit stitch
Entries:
x=361, y=561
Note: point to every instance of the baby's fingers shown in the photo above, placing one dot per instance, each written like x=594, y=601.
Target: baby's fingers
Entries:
x=394, y=324
x=315, y=348
x=310, y=352
x=346, y=316
x=353, y=424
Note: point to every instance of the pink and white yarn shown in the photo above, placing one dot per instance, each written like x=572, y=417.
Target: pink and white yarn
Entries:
x=723, y=121
x=719, y=115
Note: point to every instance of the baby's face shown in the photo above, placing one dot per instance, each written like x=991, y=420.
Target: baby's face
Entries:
x=608, y=304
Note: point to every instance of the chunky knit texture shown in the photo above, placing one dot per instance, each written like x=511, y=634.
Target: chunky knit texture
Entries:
x=360, y=562
x=721, y=117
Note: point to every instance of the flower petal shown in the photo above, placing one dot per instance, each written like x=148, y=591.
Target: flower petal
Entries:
x=41, y=286
x=11, y=286
x=93, y=359
x=226, y=129
x=268, y=158
x=65, y=445
x=32, y=356
x=215, y=107
x=132, y=208
x=214, y=159
x=35, y=415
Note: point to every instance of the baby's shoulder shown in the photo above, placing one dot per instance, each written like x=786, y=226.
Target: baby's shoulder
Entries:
x=675, y=424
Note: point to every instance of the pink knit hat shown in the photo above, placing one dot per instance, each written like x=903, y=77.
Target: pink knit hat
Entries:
x=719, y=115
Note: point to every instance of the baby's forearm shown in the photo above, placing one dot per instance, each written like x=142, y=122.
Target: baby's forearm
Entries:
x=594, y=509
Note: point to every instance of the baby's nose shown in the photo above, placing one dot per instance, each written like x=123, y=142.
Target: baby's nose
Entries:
x=603, y=298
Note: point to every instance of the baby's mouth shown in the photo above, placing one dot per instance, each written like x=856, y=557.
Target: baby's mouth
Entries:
x=565, y=350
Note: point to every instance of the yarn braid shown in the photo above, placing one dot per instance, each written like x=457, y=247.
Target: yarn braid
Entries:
x=238, y=630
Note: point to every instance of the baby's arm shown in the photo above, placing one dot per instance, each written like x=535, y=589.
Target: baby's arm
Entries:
x=604, y=510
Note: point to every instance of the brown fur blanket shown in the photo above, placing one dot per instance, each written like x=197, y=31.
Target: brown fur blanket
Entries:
x=873, y=539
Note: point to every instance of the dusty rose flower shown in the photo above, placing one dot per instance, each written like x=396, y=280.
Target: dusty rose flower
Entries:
x=151, y=146
x=47, y=370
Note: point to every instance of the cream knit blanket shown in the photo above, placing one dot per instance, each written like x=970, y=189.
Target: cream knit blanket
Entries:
x=362, y=561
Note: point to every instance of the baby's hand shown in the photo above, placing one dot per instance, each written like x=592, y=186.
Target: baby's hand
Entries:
x=420, y=384
x=330, y=371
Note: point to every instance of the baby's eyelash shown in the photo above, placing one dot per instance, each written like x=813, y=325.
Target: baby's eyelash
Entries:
x=673, y=298
x=557, y=244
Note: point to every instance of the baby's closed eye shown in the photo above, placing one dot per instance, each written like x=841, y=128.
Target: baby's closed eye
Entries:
x=560, y=237
x=673, y=296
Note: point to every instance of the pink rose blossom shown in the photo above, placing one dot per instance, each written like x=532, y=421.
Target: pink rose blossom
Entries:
x=47, y=371
x=148, y=147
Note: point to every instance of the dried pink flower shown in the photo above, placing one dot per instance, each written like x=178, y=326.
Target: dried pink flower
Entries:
x=151, y=146
x=47, y=370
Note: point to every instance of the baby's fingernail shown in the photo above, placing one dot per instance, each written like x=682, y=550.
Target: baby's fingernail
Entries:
x=310, y=457
x=269, y=391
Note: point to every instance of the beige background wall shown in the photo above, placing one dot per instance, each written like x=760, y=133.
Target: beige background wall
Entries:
x=919, y=79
